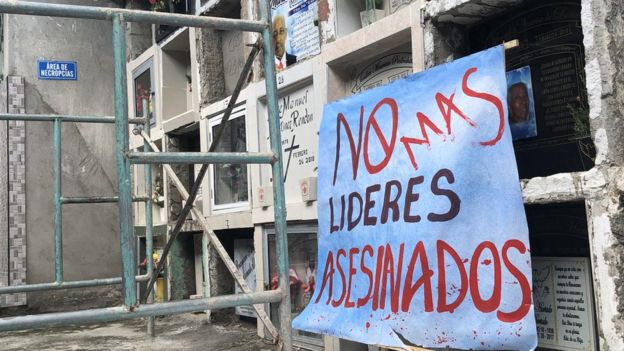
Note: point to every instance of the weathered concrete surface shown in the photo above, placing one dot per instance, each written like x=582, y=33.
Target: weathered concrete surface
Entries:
x=566, y=187
x=466, y=11
x=212, y=83
x=326, y=14
x=87, y=42
x=443, y=42
x=221, y=54
x=603, y=38
x=446, y=24
x=182, y=267
x=67, y=300
x=138, y=35
x=176, y=143
x=234, y=58
x=90, y=232
x=182, y=332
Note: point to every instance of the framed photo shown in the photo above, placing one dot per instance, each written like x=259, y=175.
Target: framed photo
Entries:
x=295, y=36
x=520, y=104
x=143, y=86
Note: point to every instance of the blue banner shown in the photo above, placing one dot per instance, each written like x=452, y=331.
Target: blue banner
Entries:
x=57, y=70
x=423, y=238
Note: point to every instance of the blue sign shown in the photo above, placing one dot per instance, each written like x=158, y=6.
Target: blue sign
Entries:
x=423, y=239
x=57, y=70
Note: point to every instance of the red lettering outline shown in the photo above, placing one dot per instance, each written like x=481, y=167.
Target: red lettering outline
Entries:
x=442, y=247
x=525, y=287
x=451, y=107
x=355, y=151
x=489, y=98
x=388, y=149
x=423, y=121
x=493, y=302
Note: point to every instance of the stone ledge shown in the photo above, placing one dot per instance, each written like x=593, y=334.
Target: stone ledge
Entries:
x=566, y=187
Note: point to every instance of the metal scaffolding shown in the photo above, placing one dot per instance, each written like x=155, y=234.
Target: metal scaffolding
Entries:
x=131, y=307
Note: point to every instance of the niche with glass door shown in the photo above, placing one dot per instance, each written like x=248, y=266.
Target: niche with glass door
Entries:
x=143, y=88
x=229, y=188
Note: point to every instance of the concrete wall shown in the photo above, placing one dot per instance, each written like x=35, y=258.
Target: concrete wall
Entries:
x=603, y=22
x=138, y=35
x=90, y=232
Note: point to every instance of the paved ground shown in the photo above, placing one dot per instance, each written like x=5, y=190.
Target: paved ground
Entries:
x=182, y=332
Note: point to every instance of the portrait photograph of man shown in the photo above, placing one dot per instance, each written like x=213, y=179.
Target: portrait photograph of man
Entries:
x=520, y=103
x=283, y=59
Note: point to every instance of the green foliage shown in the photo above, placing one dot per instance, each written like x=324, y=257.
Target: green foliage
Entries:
x=580, y=115
x=580, y=112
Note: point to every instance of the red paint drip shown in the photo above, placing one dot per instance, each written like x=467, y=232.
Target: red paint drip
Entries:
x=441, y=340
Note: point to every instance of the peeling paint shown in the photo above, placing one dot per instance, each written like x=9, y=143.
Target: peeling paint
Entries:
x=594, y=88
x=602, y=146
x=323, y=10
x=327, y=19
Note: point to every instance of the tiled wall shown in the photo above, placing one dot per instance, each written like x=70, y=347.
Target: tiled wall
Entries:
x=17, y=192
